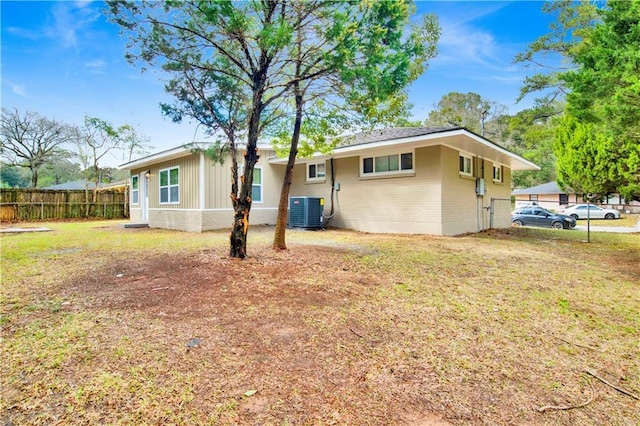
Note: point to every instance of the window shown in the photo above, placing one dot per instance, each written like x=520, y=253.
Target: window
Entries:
x=466, y=165
x=256, y=188
x=388, y=164
x=533, y=197
x=170, y=186
x=564, y=199
x=497, y=173
x=135, y=190
x=316, y=171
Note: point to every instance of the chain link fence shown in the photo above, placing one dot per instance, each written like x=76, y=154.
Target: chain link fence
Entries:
x=588, y=230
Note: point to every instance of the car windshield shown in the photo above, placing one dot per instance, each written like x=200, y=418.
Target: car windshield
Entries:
x=543, y=212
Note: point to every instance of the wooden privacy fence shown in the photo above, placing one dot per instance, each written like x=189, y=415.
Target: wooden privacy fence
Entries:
x=41, y=204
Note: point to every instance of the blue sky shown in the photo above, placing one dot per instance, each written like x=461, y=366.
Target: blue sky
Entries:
x=64, y=60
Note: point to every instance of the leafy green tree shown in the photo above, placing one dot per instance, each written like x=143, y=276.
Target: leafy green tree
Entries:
x=531, y=135
x=552, y=54
x=366, y=71
x=235, y=62
x=31, y=141
x=585, y=158
x=14, y=177
x=59, y=170
x=600, y=137
x=468, y=110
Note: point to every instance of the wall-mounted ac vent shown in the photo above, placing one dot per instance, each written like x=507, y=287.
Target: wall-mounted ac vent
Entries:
x=305, y=212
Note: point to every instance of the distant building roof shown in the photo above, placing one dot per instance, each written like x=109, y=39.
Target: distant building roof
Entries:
x=81, y=185
x=72, y=186
x=545, y=188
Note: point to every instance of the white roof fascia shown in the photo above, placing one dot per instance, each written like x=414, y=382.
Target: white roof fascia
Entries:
x=432, y=139
x=181, y=151
x=156, y=158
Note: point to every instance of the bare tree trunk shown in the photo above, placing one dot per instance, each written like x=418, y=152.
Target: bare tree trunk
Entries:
x=279, y=237
x=242, y=206
x=34, y=177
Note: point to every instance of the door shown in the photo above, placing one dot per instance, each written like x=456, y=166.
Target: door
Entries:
x=145, y=199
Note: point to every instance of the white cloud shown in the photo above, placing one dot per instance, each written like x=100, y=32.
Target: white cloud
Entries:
x=24, y=33
x=17, y=89
x=70, y=19
x=96, y=66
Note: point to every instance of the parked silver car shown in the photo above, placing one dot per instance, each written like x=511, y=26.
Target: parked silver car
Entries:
x=582, y=211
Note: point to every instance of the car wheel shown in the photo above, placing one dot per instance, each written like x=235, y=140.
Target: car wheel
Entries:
x=517, y=222
x=557, y=225
x=609, y=216
x=574, y=216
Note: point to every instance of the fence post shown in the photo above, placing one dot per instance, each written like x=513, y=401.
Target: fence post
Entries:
x=492, y=209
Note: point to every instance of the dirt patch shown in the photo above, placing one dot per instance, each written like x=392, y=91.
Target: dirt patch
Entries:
x=279, y=320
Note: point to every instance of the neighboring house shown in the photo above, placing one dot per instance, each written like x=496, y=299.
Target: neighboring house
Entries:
x=548, y=195
x=76, y=185
x=81, y=185
x=437, y=181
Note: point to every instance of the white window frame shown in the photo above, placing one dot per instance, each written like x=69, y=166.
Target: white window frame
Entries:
x=253, y=186
x=169, y=186
x=466, y=158
x=135, y=192
x=400, y=170
x=259, y=185
x=500, y=176
x=319, y=176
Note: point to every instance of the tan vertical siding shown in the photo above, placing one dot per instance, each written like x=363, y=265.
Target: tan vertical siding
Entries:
x=218, y=184
x=188, y=179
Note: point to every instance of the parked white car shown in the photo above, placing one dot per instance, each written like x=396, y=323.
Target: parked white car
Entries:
x=582, y=211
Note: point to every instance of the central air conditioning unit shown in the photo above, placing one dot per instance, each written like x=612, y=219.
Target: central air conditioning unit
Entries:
x=305, y=212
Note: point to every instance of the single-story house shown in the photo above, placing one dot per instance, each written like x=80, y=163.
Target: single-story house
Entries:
x=417, y=180
x=548, y=195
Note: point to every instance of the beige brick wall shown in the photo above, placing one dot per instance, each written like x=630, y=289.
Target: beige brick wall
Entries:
x=199, y=221
x=183, y=220
x=135, y=214
x=395, y=204
x=223, y=218
x=435, y=200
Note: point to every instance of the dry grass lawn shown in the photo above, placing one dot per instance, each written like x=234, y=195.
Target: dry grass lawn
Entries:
x=105, y=325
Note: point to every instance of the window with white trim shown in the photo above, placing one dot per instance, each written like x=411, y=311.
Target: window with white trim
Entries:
x=256, y=187
x=135, y=189
x=387, y=164
x=466, y=165
x=316, y=171
x=170, y=186
x=497, y=173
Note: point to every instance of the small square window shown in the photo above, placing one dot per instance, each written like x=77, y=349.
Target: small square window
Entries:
x=316, y=171
x=497, y=173
x=466, y=165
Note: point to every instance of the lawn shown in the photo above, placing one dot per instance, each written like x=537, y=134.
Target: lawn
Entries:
x=106, y=325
